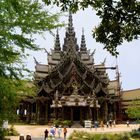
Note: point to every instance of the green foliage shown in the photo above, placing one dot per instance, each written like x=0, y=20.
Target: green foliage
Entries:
x=12, y=131
x=82, y=135
x=19, y=21
x=133, y=110
x=67, y=123
x=135, y=134
x=120, y=19
x=57, y=122
x=8, y=100
x=62, y=123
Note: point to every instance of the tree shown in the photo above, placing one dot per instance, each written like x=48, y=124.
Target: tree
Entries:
x=120, y=19
x=133, y=110
x=19, y=21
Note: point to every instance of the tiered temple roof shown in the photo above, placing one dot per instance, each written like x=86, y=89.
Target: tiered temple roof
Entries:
x=71, y=64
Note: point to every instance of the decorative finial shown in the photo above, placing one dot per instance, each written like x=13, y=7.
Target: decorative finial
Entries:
x=70, y=23
x=46, y=51
x=82, y=31
x=70, y=19
x=104, y=61
x=93, y=52
x=83, y=44
x=36, y=62
x=57, y=42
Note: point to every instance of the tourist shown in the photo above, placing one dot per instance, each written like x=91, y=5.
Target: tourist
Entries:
x=107, y=124
x=127, y=123
x=28, y=137
x=114, y=123
x=65, y=132
x=95, y=125
x=59, y=131
x=54, y=127
x=102, y=125
x=46, y=134
x=52, y=132
x=110, y=123
x=21, y=137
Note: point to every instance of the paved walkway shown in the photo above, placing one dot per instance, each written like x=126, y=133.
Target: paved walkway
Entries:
x=37, y=131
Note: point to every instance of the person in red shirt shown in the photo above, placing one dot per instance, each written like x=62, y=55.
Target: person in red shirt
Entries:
x=65, y=132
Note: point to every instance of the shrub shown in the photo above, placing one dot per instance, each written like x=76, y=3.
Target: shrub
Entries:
x=67, y=123
x=11, y=131
x=135, y=134
x=57, y=122
x=82, y=135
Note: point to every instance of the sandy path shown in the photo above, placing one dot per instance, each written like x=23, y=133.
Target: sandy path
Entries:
x=38, y=130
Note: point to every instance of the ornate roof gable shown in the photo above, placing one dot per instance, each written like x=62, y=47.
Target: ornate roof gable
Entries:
x=70, y=42
x=71, y=69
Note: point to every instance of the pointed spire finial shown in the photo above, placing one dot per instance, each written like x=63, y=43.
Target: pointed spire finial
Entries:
x=70, y=23
x=36, y=62
x=57, y=42
x=82, y=31
x=83, y=44
x=57, y=31
x=104, y=61
x=70, y=19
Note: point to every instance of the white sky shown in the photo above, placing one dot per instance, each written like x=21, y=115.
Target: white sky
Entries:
x=128, y=59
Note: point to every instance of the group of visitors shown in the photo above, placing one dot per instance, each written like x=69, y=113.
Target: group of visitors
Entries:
x=53, y=131
x=28, y=137
x=49, y=133
x=109, y=123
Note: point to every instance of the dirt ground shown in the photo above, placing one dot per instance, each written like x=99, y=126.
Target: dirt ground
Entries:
x=38, y=130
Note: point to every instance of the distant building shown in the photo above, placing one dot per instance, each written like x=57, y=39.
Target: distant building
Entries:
x=128, y=97
x=72, y=87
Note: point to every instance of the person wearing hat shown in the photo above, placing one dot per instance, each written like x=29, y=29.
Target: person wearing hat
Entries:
x=21, y=137
x=28, y=137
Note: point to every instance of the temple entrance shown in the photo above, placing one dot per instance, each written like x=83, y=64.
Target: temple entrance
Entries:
x=76, y=114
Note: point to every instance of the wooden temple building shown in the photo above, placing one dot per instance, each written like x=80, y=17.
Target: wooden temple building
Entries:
x=71, y=86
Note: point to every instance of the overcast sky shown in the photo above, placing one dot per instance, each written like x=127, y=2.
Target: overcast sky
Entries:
x=129, y=53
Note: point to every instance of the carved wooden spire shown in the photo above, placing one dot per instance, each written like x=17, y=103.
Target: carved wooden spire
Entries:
x=83, y=44
x=57, y=42
x=70, y=42
x=70, y=24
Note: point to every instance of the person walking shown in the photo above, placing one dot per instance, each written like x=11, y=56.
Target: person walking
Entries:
x=46, y=132
x=110, y=123
x=52, y=132
x=65, y=132
x=107, y=124
x=59, y=131
x=102, y=125
x=95, y=125
x=114, y=123
x=127, y=123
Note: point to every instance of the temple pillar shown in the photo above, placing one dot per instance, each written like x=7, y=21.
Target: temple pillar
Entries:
x=46, y=113
x=28, y=118
x=97, y=113
x=81, y=115
x=105, y=111
x=114, y=111
x=71, y=113
x=37, y=112
x=62, y=113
